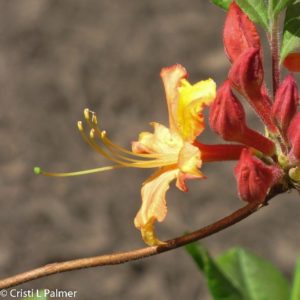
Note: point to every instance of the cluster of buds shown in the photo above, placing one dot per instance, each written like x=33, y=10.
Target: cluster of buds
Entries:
x=267, y=160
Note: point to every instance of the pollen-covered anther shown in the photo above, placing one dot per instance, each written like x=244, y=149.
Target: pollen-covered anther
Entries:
x=94, y=119
x=80, y=126
x=92, y=133
x=86, y=113
x=103, y=134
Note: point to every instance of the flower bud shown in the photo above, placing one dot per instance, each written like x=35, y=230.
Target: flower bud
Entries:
x=294, y=137
x=286, y=101
x=239, y=33
x=247, y=76
x=292, y=62
x=227, y=118
x=227, y=115
x=254, y=178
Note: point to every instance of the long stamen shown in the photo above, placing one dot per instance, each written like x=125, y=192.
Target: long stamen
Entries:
x=159, y=160
x=39, y=171
x=95, y=130
x=136, y=164
x=115, y=153
x=93, y=145
x=116, y=150
x=93, y=123
x=108, y=142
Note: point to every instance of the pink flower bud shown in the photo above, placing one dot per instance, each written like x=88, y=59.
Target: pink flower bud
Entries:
x=294, y=137
x=255, y=178
x=286, y=101
x=247, y=76
x=227, y=118
x=239, y=33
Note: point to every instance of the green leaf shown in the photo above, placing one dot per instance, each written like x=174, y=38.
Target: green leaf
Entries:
x=256, y=278
x=279, y=5
x=220, y=286
x=276, y=6
x=296, y=282
x=256, y=10
x=222, y=3
x=291, y=31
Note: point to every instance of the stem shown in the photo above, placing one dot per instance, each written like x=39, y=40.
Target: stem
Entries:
x=275, y=54
x=119, y=258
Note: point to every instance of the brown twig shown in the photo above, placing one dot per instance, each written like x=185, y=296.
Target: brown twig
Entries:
x=118, y=258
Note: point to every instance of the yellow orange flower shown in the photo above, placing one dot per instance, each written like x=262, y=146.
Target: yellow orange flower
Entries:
x=175, y=144
x=171, y=150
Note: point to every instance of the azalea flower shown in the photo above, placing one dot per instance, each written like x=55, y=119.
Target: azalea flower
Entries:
x=180, y=159
x=173, y=150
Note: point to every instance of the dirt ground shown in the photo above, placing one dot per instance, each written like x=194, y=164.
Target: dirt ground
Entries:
x=58, y=57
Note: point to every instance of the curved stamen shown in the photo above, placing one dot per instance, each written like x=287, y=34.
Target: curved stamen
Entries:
x=103, y=136
x=117, y=151
x=112, y=152
x=114, y=148
x=154, y=163
x=39, y=171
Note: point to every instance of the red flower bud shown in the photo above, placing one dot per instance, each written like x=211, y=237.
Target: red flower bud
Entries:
x=286, y=101
x=239, y=33
x=227, y=118
x=294, y=137
x=227, y=115
x=255, y=178
x=292, y=62
x=247, y=76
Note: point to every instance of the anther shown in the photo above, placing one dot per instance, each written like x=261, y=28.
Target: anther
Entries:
x=103, y=134
x=86, y=113
x=92, y=133
x=79, y=125
x=94, y=119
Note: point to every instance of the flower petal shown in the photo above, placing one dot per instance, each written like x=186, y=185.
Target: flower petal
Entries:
x=172, y=77
x=192, y=99
x=189, y=162
x=154, y=206
x=162, y=141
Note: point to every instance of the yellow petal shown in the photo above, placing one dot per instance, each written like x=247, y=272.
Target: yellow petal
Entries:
x=162, y=141
x=154, y=206
x=189, y=163
x=172, y=77
x=148, y=234
x=192, y=99
x=189, y=160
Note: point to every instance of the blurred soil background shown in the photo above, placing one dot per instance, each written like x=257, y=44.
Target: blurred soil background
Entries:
x=58, y=57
